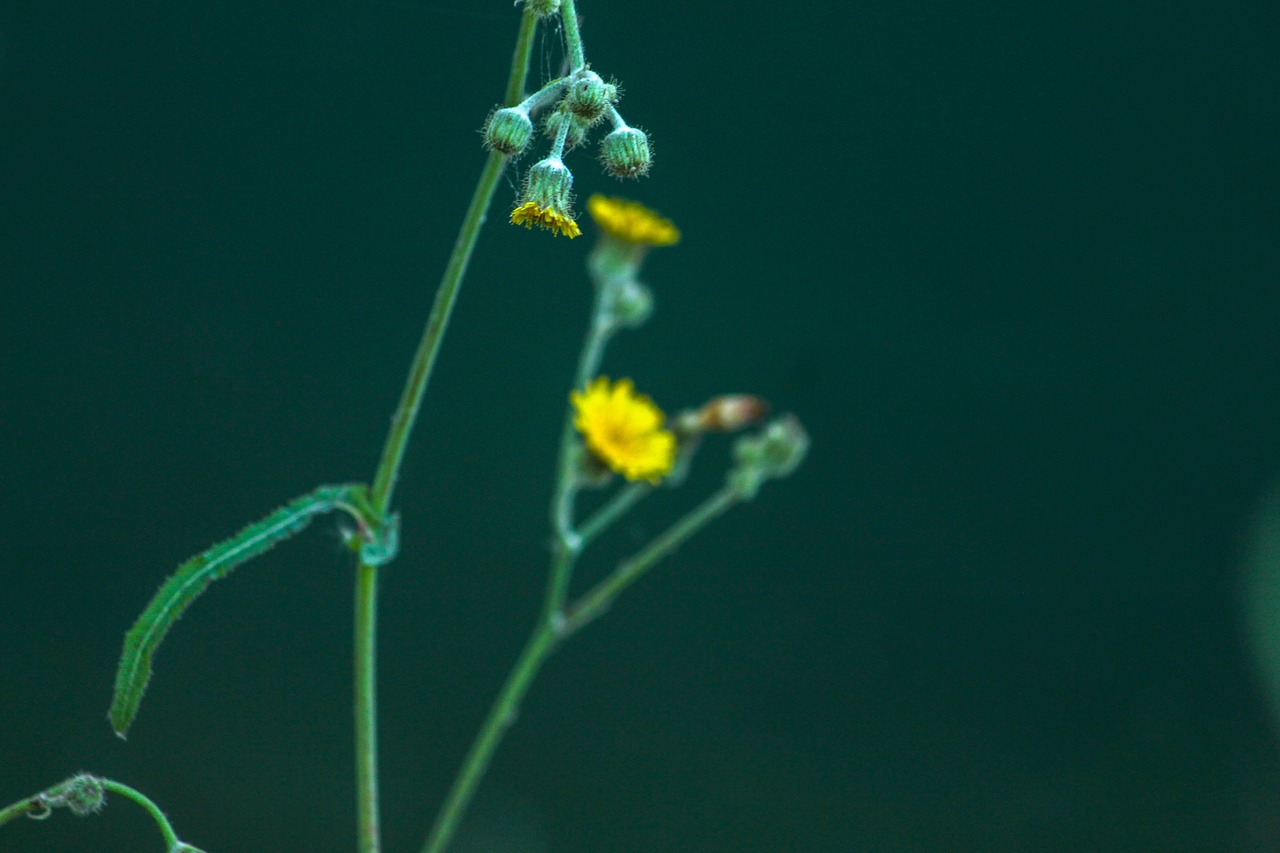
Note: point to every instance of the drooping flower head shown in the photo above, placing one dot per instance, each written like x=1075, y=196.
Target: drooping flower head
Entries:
x=547, y=199
x=624, y=429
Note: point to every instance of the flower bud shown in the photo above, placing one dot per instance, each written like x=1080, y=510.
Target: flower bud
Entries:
x=82, y=794
x=726, y=413
x=574, y=136
x=624, y=153
x=547, y=199
x=589, y=95
x=549, y=183
x=774, y=452
x=508, y=130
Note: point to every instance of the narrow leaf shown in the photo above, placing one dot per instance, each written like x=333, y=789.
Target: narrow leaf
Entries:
x=194, y=576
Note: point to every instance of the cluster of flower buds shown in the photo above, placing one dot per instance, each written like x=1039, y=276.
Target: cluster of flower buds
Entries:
x=570, y=107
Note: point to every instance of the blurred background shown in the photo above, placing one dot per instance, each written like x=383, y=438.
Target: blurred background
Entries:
x=1015, y=268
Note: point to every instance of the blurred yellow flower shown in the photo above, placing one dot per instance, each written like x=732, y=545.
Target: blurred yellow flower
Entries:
x=632, y=222
x=530, y=214
x=624, y=430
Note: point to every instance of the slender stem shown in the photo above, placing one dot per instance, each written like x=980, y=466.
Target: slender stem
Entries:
x=622, y=501
x=368, y=829
x=384, y=481
x=424, y=360
x=503, y=713
x=554, y=626
x=569, y=542
x=171, y=839
x=598, y=335
x=572, y=38
x=596, y=601
x=520, y=59
x=29, y=806
x=65, y=794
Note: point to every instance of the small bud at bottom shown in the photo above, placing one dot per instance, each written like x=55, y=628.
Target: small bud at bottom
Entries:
x=625, y=153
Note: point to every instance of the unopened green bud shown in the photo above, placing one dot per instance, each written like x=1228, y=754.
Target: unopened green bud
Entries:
x=774, y=452
x=589, y=95
x=632, y=304
x=508, y=130
x=625, y=153
x=82, y=794
x=576, y=134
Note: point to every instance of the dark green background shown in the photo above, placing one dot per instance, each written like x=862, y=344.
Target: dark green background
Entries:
x=1014, y=265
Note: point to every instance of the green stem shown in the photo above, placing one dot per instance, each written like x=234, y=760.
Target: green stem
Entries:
x=424, y=360
x=596, y=601
x=598, y=335
x=617, y=506
x=569, y=542
x=29, y=806
x=368, y=829
x=171, y=839
x=503, y=713
x=553, y=627
x=384, y=481
x=87, y=790
x=572, y=38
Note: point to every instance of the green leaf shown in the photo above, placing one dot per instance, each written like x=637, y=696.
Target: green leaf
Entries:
x=194, y=576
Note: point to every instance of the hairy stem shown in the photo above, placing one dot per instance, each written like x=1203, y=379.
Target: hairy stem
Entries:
x=166, y=829
x=424, y=360
x=384, y=481
x=572, y=38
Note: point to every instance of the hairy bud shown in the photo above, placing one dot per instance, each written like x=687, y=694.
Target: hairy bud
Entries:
x=508, y=130
x=589, y=95
x=625, y=153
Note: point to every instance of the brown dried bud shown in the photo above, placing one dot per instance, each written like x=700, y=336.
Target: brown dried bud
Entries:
x=726, y=413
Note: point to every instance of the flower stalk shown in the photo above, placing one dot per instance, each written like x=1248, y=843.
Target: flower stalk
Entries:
x=369, y=835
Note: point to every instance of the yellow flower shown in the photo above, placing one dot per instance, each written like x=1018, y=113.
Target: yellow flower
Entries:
x=624, y=430
x=530, y=214
x=632, y=222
